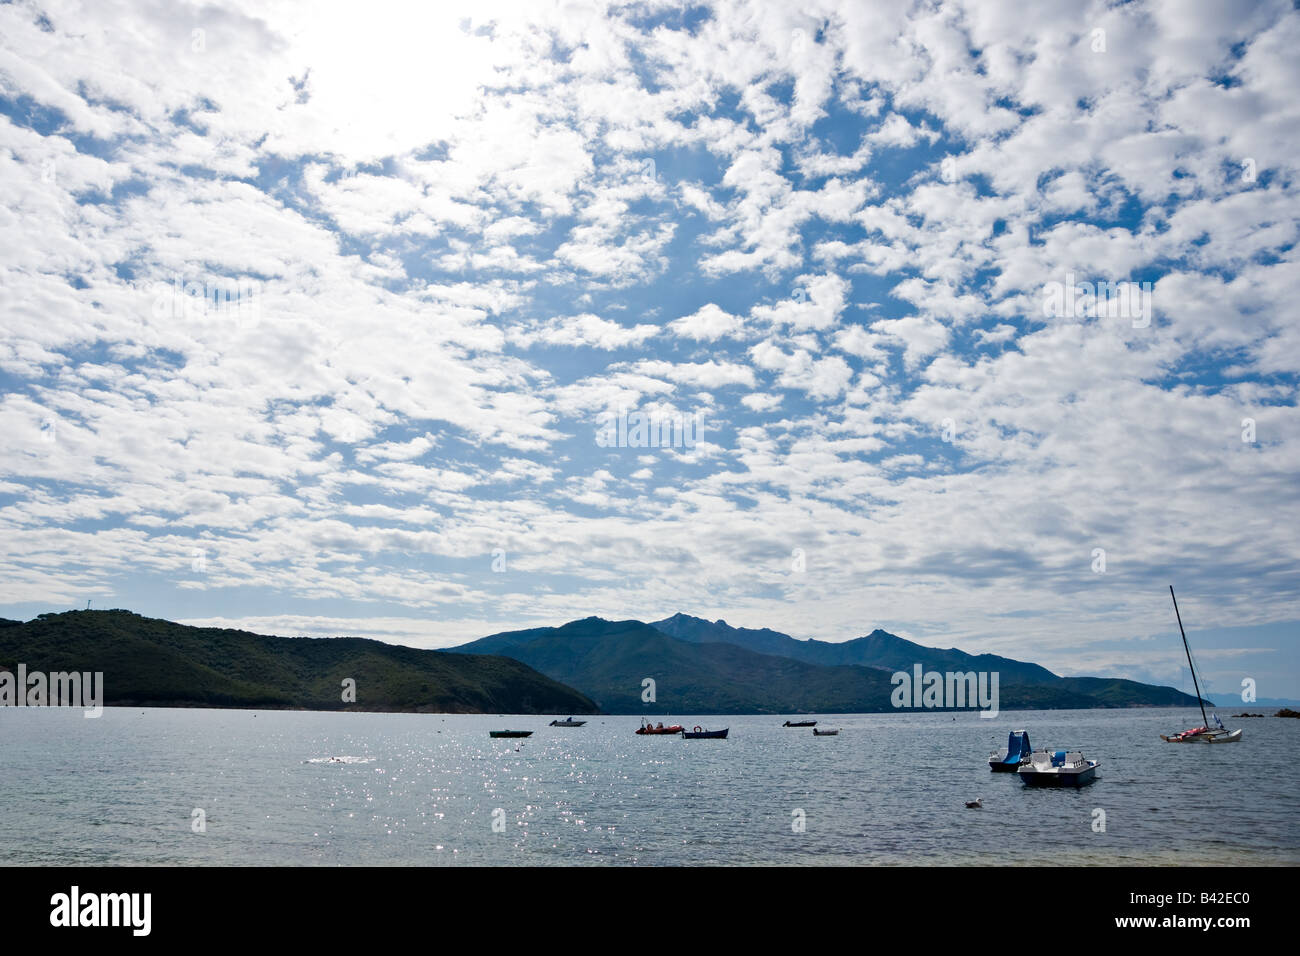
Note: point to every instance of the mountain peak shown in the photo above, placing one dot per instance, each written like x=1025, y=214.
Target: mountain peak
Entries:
x=722, y=669
x=593, y=619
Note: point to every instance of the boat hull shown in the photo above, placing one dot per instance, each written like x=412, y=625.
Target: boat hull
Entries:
x=568, y=723
x=825, y=733
x=706, y=734
x=1230, y=737
x=1001, y=766
x=660, y=731
x=510, y=733
x=1058, y=777
x=800, y=723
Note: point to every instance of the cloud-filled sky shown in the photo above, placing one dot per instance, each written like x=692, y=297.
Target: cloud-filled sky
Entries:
x=982, y=319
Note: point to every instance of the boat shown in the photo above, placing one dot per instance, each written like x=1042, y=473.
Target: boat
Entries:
x=568, y=723
x=698, y=734
x=1018, y=751
x=825, y=733
x=510, y=733
x=1204, y=734
x=1057, y=768
x=800, y=723
x=649, y=728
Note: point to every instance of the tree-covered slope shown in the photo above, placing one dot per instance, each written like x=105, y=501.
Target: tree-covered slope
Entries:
x=152, y=661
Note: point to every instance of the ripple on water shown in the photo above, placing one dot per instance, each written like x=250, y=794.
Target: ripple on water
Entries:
x=340, y=789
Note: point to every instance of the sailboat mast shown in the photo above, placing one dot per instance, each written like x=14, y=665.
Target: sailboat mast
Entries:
x=1190, y=666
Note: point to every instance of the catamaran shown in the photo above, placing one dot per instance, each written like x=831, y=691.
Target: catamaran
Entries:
x=1203, y=734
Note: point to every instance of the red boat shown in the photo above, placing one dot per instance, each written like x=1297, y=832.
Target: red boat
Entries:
x=648, y=728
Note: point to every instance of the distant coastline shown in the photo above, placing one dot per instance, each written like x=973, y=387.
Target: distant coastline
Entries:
x=681, y=665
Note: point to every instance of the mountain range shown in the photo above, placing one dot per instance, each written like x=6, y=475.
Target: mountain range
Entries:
x=699, y=666
x=679, y=665
x=878, y=649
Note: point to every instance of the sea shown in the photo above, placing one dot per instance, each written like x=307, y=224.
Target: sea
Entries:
x=200, y=787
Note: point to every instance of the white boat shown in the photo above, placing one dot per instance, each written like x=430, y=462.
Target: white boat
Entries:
x=1059, y=768
x=1204, y=734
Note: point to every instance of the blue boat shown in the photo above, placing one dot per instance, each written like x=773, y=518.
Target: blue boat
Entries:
x=1018, y=751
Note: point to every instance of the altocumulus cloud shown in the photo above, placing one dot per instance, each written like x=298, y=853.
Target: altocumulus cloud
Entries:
x=469, y=232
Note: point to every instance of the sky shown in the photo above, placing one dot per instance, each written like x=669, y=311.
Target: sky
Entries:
x=976, y=322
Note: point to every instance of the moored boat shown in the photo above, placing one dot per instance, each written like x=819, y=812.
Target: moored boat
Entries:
x=800, y=723
x=649, y=728
x=1057, y=768
x=1018, y=751
x=510, y=733
x=699, y=734
x=826, y=733
x=568, y=723
x=1204, y=734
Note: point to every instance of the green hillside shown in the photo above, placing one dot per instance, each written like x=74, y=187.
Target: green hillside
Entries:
x=890, y=652
x=146, y=661
x=608, y=660
x=877, y=649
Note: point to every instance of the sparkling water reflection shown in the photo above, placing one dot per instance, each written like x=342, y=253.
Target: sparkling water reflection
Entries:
x=339, y=789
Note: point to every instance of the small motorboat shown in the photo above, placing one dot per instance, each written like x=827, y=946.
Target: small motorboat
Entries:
x=649, y=728
x=698, y=734
x=800, y=723
x=826, y=733
x=1018, y=751
x=1057, y=768
x=510, y=733
x=568, y=723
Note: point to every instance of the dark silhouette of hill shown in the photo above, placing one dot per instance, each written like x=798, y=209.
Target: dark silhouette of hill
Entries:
x=148, y=661
x=609, y=660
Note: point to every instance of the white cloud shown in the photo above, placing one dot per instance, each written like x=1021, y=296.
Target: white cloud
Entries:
x=707, y=324
x=921, y=337
x=454, y=219
x=761, y=402
x=699, y=374
x=816, y=303
x=996, y=335
x=583, y=330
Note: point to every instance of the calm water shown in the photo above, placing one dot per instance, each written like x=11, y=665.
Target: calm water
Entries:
x=421, y=789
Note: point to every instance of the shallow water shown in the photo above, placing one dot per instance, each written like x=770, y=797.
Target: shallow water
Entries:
x=422, y=789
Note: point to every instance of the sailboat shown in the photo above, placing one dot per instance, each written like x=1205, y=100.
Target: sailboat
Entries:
x=1203, y=734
